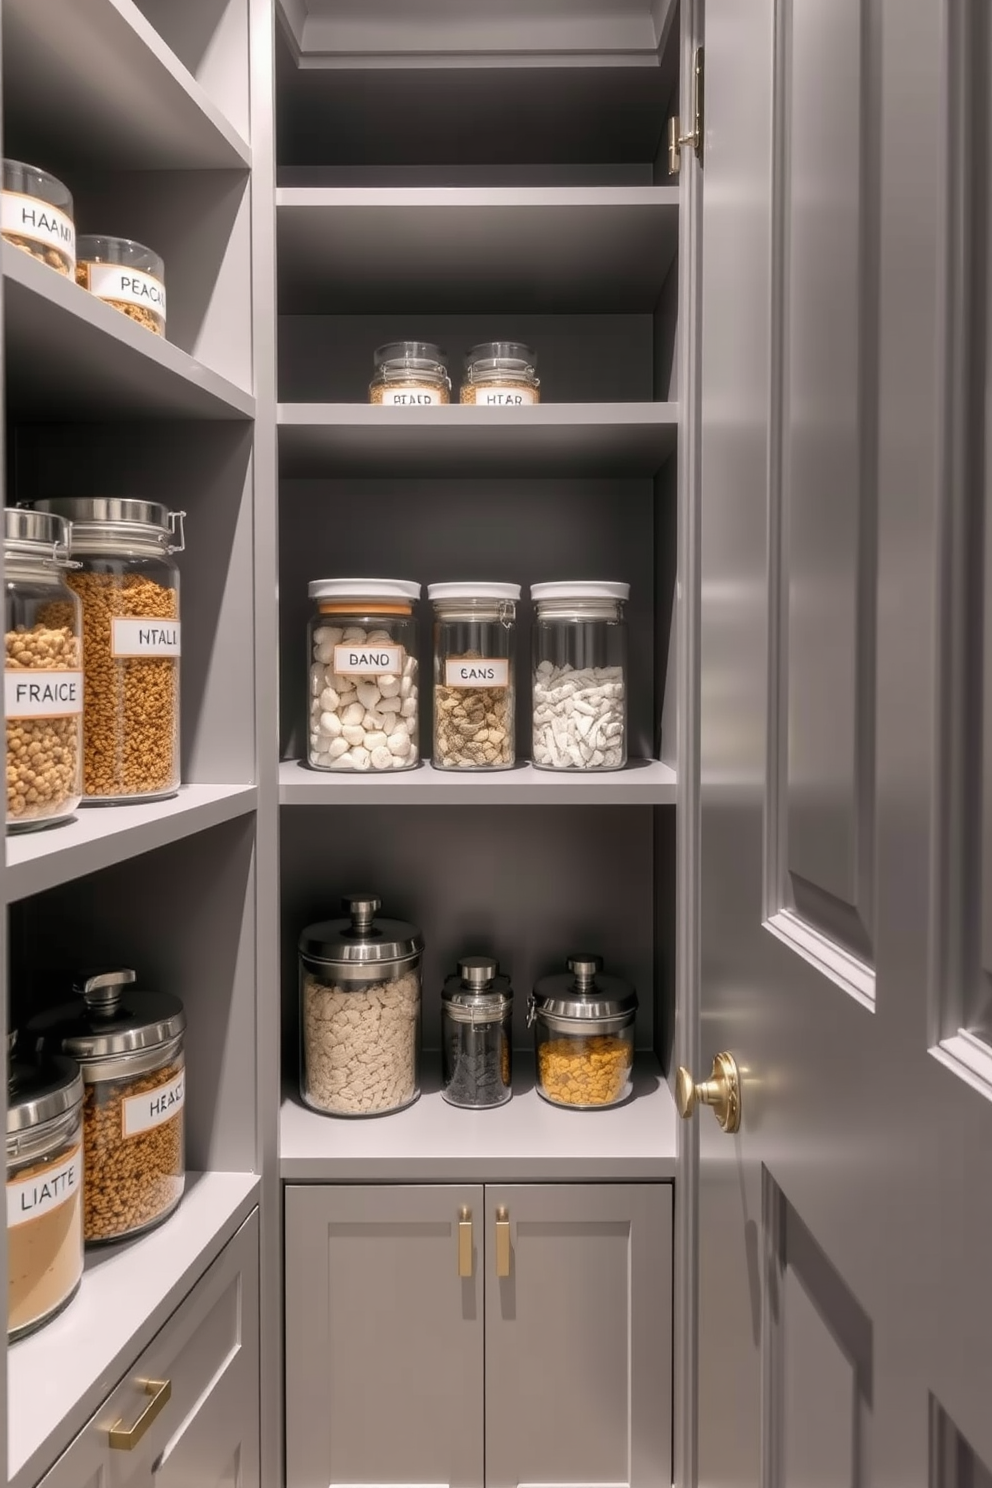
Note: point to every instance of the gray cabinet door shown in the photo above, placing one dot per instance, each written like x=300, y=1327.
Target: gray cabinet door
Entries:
x=384, y=1337
x=578, y=1335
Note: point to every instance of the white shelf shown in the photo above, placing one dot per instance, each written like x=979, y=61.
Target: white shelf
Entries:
x=642, y=783
x=526, y=1140
x=68, y=354
x=92, y=82
x=59, y=1376
x=99, y=836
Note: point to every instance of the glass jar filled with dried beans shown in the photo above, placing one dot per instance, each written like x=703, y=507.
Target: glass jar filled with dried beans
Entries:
x=36, y=215
x=128, y=583
x=124, y=274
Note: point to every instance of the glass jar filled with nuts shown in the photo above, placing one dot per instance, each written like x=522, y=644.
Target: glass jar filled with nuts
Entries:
x=43, y=673
x=501, y=374
x=124, y=274
x=583, y=1025
x=36, y=215
x=410, y=374
x=128, y=1044
x=128, y=583
x=474, y=682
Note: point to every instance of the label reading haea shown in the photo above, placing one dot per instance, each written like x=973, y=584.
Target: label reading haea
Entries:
x=410, y=397
x=31, y=693
x=30, y=1198
x=29, y=217
x=126, y=286
x=139, y=1113
x=477, y=671
x=368, y=661
x=144, y=637
x=492, y=396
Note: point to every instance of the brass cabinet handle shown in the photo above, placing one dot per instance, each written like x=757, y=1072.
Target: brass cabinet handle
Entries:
x=722, y=1091
x=126, y=1437
x=464, y=1242
x=502, y=1241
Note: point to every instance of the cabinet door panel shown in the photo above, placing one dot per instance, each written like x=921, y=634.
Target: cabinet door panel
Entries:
x=579, y=1336
x=384, y=1340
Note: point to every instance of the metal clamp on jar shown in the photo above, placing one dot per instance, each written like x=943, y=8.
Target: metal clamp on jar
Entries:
x=476, y=1021
x=584, y=1035
x=360, y=1012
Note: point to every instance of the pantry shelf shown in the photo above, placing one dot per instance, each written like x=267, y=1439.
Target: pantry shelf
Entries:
x=92, y=82
x=68, y=354
x=560, y=439
x=99, y=837
x=57, y=1378
x=551, y=249
x=526, y=1140
x=642, y=783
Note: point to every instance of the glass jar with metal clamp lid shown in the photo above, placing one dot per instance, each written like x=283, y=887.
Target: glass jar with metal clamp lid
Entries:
x=474, y=675
x=410, y=374
x=476, y=1028
x=360, y=1012
x=501, y=374
x=128, y=583
x=584, y=1035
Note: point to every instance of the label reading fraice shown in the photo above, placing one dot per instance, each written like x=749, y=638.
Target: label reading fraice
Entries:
x=139, y=1113
x=503, y=397
x=38, y=694
x=484, y=671
x=410, y=397
x=29, y=217
x=126, y=286
x=30, y=1198
x=368, y=661
x=144, y=637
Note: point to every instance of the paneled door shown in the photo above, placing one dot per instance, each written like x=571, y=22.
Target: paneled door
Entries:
x=845, y=920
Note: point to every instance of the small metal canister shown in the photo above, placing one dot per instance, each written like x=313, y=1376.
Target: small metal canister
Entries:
x=584, y=1035
x=476, y=1041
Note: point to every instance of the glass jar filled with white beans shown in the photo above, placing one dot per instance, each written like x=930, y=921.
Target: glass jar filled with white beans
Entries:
x=580, y=676
x=364, y=691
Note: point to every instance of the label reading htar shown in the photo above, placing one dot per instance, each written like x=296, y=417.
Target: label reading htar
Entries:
x=481, y=671
x=368, y=661
x=126, y=286
x=144, y=637
x=29, y=217
x=30, y=1198
x=139, y=1113
x=410, y=397
x=503, y=397
x=36, y=694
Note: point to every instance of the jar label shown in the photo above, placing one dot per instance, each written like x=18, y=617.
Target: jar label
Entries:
x=126, y=286
x=410, y=397
x=139, y=1113
x=30, y=693
x=144, y=637
x=495, y=396
x=369, y=661
x=477, y=671
x=30, y=1198
x=30, y=217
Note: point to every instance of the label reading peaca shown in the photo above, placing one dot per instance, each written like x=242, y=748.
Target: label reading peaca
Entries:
x=30, y=1198
x=144, y=637
x=368, y=661
x=126, y=286
x=36, y=694
x=503, y=397
x=29, y=217
x=477, y=671
x=139, y=1113
x=410, y=397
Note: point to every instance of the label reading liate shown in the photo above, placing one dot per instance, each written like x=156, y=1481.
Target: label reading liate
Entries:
x=477, y=671
x=126, y=286
x=139, y=1113
x=30, y=1198
x=368, y=661
x=410, y=397
x=492, y=396
x=29, y=217
x=36, y=694
x=144, y=637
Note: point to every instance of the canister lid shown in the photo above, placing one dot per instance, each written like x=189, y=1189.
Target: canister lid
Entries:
x=477, y=989
x=35, y=534
x=358, y=589
x=409, y=351
x=361, y=940
x=97, y=519
x=580, y=589
x=473, y=591
x=501, y=351
x=41, y=1090
x=115, y=1017
x=584, y=992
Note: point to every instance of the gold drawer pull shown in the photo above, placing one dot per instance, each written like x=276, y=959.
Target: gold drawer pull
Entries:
x=464, y=1242
x=502, y=1241
x=126, y=1437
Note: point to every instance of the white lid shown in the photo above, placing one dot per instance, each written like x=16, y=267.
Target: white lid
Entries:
x=580, y=589
x=363, y=589
x=473, y=591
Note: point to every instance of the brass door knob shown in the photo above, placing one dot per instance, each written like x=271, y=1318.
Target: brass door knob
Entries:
x=722, y=1091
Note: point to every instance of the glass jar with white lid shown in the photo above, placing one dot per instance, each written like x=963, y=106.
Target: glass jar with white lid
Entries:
x=474, y=682
x=580, y=675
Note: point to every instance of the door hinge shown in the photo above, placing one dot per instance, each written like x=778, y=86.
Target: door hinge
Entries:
x=676, y=139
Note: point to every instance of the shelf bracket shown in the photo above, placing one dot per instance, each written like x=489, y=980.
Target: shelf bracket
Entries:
x=676, y=139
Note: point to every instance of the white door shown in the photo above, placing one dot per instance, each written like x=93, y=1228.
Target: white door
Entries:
x=845, y=879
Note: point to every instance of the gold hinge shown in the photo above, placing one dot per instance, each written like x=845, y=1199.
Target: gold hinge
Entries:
x=676, y=139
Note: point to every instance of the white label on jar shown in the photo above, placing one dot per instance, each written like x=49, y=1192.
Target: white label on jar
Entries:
x=474, y=671
x=492, y=395
x=126, y=286
x=410, y=397
x=30, y=1198
x=144, y=637
x=368, y=661
x=139, y=1113
x=30, y=217
x=30, y=693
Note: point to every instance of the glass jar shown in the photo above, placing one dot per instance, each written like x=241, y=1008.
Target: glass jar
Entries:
x=36, y=215
x=364, y=689
x=43, y=673
x=476, y=1035
x=129, y=587
x=44, y=1190
x=410, y=374
x=129, y=1045
x=360, y=1012
x=584, y=1036
x=580, y=676
x=126, y=275
x=501, y=374
x=474, y=684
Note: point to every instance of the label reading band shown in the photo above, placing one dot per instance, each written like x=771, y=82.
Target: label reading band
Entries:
x=139, y=1113
x=484, y=671
x=126, y=286
x=144, y=637
x=368, y=661
x=30, y=1198
x=30, y=217
x=31, y=693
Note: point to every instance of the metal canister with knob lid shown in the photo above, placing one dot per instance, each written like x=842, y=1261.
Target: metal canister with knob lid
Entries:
x=476, y=1042
x=583, y=1023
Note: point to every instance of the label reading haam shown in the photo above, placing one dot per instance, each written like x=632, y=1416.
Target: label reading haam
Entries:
x=139, y=1113
x=368, y=661
x=30, y=1198
x=30, y=217
x=477, y=671
x=33, y=693
x=126, y=286
x=144, y=637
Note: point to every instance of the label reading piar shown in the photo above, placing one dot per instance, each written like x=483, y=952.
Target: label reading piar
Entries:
x=482, y=671
x=38, y=694
x=126, y=286
x=368, y=661
x=30, y=1198
x=29, y=217
x=139, y=1113
x=410, y=398
x=144, y=637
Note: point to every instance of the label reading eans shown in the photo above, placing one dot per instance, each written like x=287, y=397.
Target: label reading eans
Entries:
x=126, y=286
x=30, y=1198
x=144, y=637
x=503, y=397
x=368, y=661
x=477, y=671
x=139, y=1113
x=33, y=693
x=30, y=217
